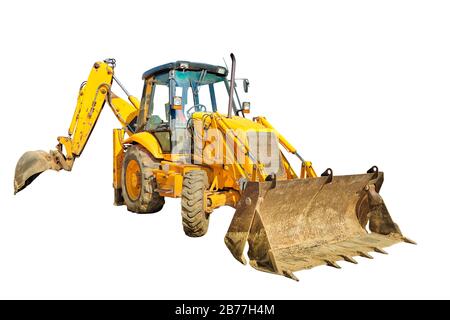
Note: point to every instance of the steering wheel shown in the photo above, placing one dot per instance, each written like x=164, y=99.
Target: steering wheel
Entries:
x=197, y=108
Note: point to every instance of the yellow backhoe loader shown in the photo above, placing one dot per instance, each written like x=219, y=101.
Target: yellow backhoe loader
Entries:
x=176, y=143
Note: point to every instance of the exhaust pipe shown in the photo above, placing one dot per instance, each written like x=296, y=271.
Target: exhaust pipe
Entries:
x=232, y=85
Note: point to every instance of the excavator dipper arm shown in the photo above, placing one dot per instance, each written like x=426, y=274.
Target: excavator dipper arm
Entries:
x=92, y=96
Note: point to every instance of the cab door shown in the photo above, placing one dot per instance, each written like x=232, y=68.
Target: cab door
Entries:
x=162, y=114
x=154, y=113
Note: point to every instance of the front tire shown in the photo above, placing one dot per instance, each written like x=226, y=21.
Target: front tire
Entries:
x=195, y=219
x=138, y=181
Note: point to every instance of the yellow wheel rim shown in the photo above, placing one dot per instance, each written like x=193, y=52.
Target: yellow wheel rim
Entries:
x=133, y=180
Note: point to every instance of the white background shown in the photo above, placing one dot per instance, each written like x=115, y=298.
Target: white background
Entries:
x=351, y=83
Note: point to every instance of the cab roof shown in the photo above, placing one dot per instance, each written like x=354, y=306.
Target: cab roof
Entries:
x=185, y=65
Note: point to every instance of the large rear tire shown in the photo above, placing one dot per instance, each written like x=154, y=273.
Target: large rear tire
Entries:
x=138, y=181
x=195, y=219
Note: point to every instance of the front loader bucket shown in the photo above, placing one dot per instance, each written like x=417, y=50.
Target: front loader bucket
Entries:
x=298, y=224
x=31, y=165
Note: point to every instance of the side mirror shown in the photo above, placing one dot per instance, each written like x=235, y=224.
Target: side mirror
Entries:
x=245, y=107
x=246, y=84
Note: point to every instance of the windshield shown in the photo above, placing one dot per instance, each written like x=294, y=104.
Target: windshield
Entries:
x=191, y=91
x=200, y=91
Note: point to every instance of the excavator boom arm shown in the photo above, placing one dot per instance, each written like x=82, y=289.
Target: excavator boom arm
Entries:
x=92, y=96
x=91, y=99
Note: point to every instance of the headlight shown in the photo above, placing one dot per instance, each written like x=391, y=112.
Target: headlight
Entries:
x=246, y=107
x=184, y=65
x=177, y=103
x=221, y=70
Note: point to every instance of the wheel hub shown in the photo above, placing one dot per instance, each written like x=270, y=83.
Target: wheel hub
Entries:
x=133, y=180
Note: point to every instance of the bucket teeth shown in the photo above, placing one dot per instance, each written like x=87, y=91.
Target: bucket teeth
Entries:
x=290, y=274
x=349, y=259
x=379, y=250
x=332, y=263
x=365, y=255
x=409, y=240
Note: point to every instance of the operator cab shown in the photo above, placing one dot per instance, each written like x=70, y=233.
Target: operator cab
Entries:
x=174, y=91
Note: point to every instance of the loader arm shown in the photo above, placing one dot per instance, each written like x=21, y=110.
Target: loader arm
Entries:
x=92, y=96
x=307, y=170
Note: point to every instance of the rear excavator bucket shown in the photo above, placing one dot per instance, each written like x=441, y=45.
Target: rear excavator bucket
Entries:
x=298, y=224
x=32, y=164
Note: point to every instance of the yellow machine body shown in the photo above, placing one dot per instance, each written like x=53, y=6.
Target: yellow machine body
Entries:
x=291, y=220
